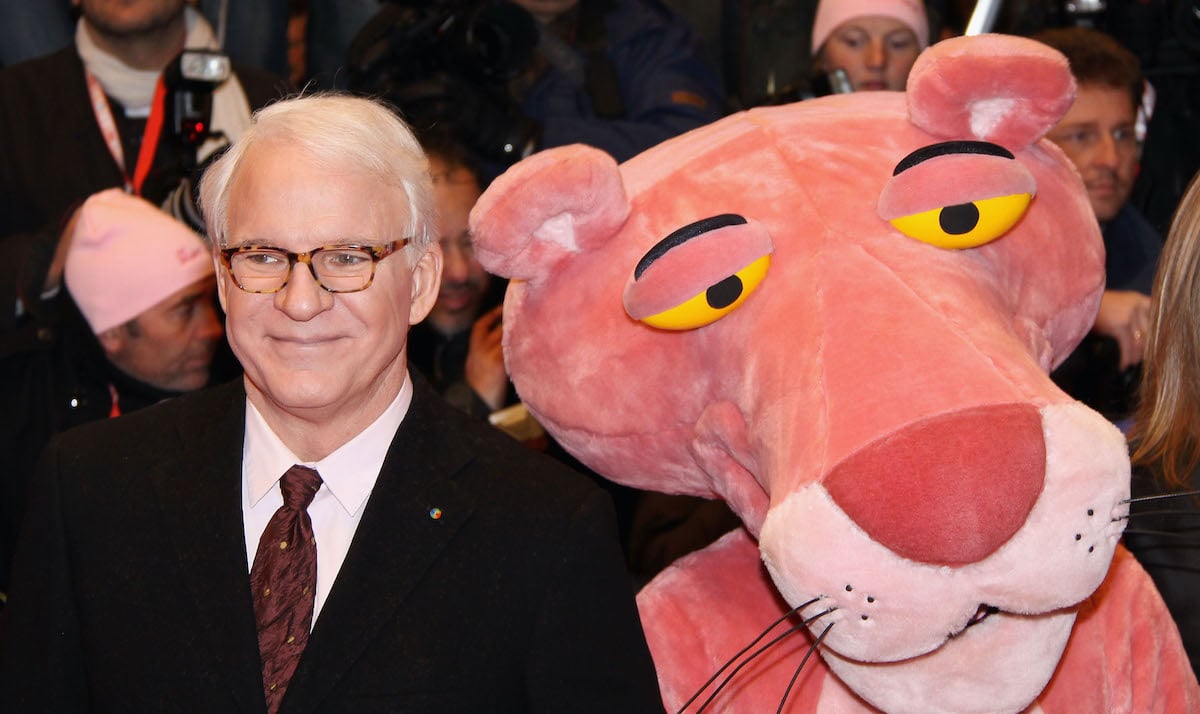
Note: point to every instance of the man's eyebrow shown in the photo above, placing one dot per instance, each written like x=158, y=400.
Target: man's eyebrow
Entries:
x=932, y=151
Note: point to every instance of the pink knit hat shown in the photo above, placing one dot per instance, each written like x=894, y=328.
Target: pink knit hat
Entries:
x=831, y=13
x=126, y=256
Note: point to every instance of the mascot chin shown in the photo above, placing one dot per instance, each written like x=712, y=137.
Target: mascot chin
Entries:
x=838, y=316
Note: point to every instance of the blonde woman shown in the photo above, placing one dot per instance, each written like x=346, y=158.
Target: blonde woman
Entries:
x=1163, y=533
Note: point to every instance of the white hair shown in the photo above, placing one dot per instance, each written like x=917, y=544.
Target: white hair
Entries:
x=342, y=130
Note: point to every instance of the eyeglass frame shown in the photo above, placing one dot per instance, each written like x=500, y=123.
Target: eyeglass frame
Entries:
x=377, y=253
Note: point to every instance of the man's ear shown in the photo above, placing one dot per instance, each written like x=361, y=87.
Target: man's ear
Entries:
x=220, y=273
x=426, y=281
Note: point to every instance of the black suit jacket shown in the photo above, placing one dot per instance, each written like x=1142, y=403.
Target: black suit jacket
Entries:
x=131, y=590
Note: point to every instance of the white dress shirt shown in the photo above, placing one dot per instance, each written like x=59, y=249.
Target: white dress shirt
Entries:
x=348, y=475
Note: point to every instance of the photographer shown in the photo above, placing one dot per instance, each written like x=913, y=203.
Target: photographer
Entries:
x=106, y=112
x=620, y=75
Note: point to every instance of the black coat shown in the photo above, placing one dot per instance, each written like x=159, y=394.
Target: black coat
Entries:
x=52, y=378
x=1162, y=535
x=131, y=592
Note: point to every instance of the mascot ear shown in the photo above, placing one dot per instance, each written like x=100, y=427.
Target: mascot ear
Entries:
x=1002, y=89
x=552, y=205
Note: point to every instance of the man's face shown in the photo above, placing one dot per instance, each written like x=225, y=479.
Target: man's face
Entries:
x=130, y=18
x=464, y=281
x=877, y=52
x=171, y=345
x=307, y=351
x=546, y=10
x=1098, y=135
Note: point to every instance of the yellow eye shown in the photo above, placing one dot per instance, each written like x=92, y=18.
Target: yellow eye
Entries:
x=965, y=225
x=718, y=300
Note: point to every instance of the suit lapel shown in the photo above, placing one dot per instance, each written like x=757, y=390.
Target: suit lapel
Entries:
x=202, y=516
x=398, y=538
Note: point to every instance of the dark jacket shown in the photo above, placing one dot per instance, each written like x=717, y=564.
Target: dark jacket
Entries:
x=658, y=86
x=53, y=376
x=131, y=590
x=1163, y=535
x=1091, y=373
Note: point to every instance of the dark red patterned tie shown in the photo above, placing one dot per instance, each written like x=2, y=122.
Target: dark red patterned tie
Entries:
x=284, y=577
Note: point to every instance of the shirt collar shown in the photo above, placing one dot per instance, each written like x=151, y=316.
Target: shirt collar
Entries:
x=349, y=472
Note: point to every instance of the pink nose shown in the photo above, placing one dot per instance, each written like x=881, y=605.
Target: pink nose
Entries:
x=949, y=490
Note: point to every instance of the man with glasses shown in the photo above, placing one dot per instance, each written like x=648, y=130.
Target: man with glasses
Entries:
x=325, y=534
x=1099, y=135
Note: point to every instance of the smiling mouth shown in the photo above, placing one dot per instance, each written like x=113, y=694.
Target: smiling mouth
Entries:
x=304, y=342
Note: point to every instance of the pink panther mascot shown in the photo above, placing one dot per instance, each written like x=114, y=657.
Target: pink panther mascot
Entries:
x=838, y=316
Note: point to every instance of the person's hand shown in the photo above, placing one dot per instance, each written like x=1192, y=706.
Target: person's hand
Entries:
x=484, y=370
x=1125, y=316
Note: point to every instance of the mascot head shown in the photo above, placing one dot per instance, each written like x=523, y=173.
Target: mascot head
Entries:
x=838, y=316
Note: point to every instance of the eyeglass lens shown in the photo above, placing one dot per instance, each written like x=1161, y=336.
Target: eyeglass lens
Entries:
x=336, y=269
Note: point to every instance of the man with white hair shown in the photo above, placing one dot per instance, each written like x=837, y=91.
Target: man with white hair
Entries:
x=325, y=534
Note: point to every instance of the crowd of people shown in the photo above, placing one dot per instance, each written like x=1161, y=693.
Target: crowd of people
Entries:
x=355, y=357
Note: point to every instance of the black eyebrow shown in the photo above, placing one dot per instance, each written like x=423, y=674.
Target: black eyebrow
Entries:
x=926, y=153
x=683, y=235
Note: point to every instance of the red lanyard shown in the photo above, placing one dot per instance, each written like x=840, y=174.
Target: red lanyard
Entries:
x=115, y=411
x=108, y=128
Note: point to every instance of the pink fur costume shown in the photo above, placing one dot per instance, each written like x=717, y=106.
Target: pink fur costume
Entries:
x=839, y=316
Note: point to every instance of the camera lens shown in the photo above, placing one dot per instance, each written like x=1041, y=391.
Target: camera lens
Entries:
x=497, y=41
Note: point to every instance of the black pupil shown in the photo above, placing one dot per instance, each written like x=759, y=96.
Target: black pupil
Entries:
x=960, y=219
x=724, y=293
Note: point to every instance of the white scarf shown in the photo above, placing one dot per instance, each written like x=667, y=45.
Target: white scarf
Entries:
x=134, y=88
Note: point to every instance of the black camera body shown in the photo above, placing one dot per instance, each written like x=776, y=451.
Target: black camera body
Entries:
x=448, y=64
x=484, y=42
x=190, y=82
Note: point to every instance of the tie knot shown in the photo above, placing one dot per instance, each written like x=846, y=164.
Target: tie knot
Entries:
x=299, y=485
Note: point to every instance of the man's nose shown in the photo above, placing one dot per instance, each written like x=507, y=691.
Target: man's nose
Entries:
x=303, y=297
x=455, y=265
x=1107, y=153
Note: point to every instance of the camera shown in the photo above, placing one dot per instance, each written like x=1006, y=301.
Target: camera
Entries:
x=190, y=81
x=449, y=63
x=484, y=41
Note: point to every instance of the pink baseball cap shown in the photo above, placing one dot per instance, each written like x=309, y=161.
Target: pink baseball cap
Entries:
x=126, y=256
x=831, y=13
